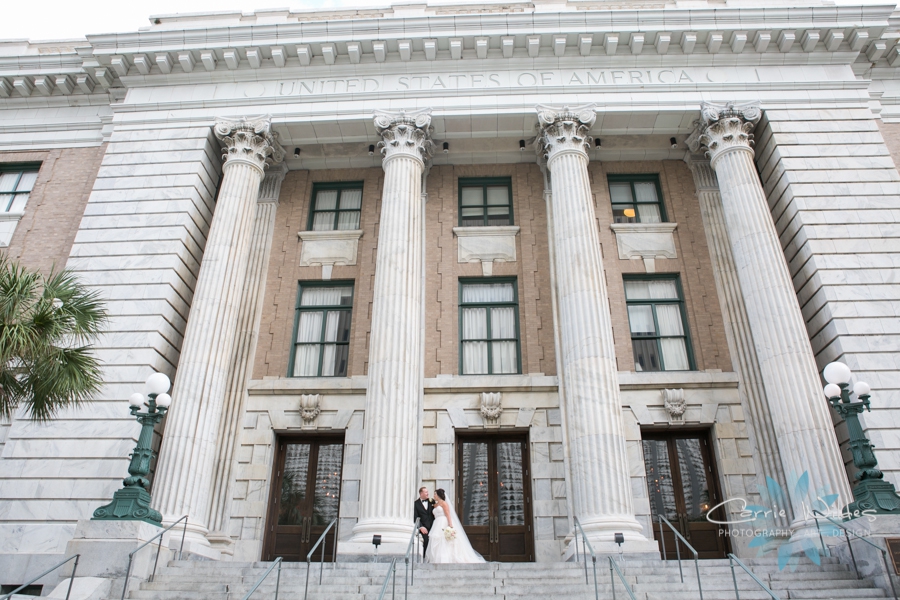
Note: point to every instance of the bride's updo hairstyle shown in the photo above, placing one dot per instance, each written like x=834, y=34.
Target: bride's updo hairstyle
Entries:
x=440, y=494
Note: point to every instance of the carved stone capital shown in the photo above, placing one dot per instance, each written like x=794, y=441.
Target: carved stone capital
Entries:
x=727, y=127
x=565, y=130
x=249, y=141
x=405, y=134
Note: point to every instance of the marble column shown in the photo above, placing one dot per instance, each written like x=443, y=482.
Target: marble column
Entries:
x=250, y=312
x=183, y=483
x=599, y=469
x=388, y=479
x=799, y=412
x=737, y=326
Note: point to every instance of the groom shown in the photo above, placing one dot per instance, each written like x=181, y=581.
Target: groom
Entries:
x=424, y=511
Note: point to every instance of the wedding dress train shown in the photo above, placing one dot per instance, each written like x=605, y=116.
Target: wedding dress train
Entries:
x=442, y=550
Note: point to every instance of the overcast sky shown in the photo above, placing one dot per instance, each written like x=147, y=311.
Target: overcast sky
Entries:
x=57, y=19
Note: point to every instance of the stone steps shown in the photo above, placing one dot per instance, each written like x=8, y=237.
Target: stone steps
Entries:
x=649, y=580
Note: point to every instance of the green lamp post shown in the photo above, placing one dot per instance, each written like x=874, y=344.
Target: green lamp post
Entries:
x=132, y=502
x=872, y=493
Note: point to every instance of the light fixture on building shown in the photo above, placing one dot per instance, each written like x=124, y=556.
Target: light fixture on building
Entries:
x=674, y=143
x=132, y=501
x=873, y=492
x=371, y=149
x=521, y=145
x=597, y=142
x=296, y=152
x=446, y=147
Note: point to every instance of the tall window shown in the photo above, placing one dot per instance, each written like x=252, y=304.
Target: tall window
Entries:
x=489, y=327
x=335, y=206
x=322, y=340
x=636, y=199
x=485, y=202
x=658, y=326
x=15, y=187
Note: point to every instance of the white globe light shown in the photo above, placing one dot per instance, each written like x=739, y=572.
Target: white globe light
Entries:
x=832, y=390
x=861, y=388
x=163, y=400
x=136, y=399
x=837, y=372
x=157, y=384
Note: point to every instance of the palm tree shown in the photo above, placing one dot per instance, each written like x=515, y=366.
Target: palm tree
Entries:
x=47, y=324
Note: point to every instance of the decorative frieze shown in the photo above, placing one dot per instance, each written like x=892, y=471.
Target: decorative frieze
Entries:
x=309, y=409
x=491, y=408
x=675, y=404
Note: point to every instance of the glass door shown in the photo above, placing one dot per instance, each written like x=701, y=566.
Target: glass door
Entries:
x=306, y=493
x=494, y=497
x=682, y=485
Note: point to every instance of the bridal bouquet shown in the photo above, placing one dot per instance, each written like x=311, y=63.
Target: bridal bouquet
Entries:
x=449, y=534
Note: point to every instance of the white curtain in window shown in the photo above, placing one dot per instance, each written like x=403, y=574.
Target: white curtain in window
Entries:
x=487, y=292
x=651, y=289
x=328, y=350
x=640, y=319
x=306, y=357
x=26, y=183
x=322, y=296
x=8, y=181
x=673, y=349
x=646, y=192
x=620, y=193
x=325, y=200
x=503, y=326
x=474, y=353
x=351, y=200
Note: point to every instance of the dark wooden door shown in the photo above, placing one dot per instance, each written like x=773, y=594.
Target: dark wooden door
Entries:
x=306, y=494
x=681, y=478
x=494, y=496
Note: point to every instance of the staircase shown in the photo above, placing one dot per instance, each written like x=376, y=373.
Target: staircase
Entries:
x=650, y=580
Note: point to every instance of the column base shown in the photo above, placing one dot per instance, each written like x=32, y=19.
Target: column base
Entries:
x=222, y=542
x=601, y=533
x=395, y=538
x=196, y=546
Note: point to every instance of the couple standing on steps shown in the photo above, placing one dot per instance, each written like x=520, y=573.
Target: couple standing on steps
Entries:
x=449, y=543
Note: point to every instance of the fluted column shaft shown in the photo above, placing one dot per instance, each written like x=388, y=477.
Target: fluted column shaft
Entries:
x=799, y=413
x=596, y=436
x=388, y=476
x=738, y=334
x=247, y=335
x=183, y=483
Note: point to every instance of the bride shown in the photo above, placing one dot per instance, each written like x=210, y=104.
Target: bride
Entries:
x=443, y=550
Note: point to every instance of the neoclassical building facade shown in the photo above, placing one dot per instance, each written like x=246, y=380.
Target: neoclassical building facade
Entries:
x=565, y=260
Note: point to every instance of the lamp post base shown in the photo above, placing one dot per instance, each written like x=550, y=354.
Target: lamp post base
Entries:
x=129, y=504
x=873, y=496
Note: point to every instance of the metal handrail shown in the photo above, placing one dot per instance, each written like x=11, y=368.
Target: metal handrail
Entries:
x=887, y=569
x=612, y=581
x=587, y=545
x=392, y=570
x=50, y=570
x=277, y=563
x=734, y=559
x=158, y=549
x=411, y=580
x=678, y=536
x=322, y=558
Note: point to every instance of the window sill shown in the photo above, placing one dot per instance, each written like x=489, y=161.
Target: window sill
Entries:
x=486, y=245
x=329, y=248
x=647, y=241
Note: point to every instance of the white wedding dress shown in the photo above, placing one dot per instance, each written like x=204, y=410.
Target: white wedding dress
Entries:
x=442, y=550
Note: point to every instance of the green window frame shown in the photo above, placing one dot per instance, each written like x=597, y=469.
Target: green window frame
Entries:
x=485, y=347
x=660, y=336
x=321, y=333
x=481, y=201
x=636, y=199
x=335, y=206
x=16, y=184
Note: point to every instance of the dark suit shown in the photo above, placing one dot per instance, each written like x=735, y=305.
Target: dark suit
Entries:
x=426, y=520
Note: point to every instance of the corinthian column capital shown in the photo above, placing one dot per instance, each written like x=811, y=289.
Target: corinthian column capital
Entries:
x=249, y=140
x=565, y=130
x=727, y=127
x=405, y=134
